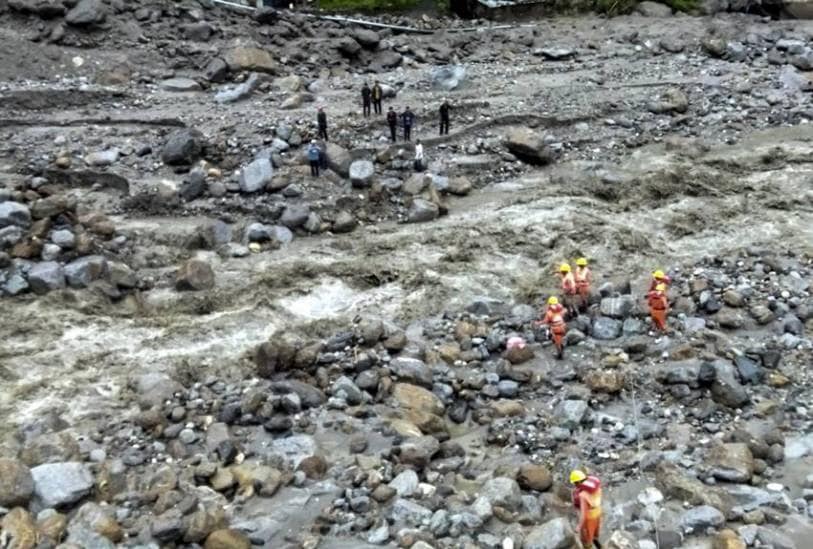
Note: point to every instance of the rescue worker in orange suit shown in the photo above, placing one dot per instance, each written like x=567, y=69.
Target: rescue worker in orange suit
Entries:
x=555, y=321
x=658, y=306
x=659, y=277
x=584, y=277
x=587, y=500
x=570, y=294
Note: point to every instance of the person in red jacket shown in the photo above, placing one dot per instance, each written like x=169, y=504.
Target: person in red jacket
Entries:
x=570, y=295
x=583, y=277
x=555, y=320
x=587, y=499
x=658, y=306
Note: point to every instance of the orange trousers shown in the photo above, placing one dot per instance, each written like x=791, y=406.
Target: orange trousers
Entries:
x=558, y=336
x=590, y=531
x=658, y=318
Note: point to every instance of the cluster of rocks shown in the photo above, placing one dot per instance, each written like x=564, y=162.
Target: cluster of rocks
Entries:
x=438, y=435
x=45, y=245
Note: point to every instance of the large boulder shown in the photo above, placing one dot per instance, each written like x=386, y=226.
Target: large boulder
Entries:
x=278, y=354
x=412, y=370
x=606, y=328
x=367, y=38
x=86, y=13
x=46, y=276
x=422, y=210
x=361, y=173
x=700, y=518
x=16, y=483
x=182, y=147
x=447, y=77
x=653, y=9
x=250, y=59
x=554, y=534
x=732, y=462
x=59, y=484
x=535, y=477
x=255, y=176
x=81, y=272
x=502, y=492
x=338, y=159
x=47, y=9
x=194, y=275
x=295, y=215
x=413, y=397
x=348, y=46
x=14, y=213
x=618, y=307
x=528, y=146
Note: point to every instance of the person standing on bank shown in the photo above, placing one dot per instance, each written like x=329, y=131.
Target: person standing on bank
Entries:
x=321, y=120
x=366, y=95
x=418, y=156
x=392, y=122
x=444, y=117
x=407, y=119
x=378, y=95
x=314, y=155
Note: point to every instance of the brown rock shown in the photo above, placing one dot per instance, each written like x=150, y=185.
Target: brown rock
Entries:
x=20, y=527
x=534, y=477
x=203, y=522
x=227, y=539
x=195, y=275
x=449, y=352
x=395, y=342
x=383, y=493
x=605, y=381
x=223, y=480
x=508, y=408
x=53, y=527
x=16, y=484
x=250, y=59
x=260, y=479
x=728, y=539
x=518, y=355
x=276, y=355
x=732, y=462
x=413, y=397
x=314, y=467
x=27, y=249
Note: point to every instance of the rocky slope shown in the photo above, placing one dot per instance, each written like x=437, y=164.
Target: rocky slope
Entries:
x=203, y=346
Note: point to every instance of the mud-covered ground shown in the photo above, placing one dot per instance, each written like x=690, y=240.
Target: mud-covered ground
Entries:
x=680, y=143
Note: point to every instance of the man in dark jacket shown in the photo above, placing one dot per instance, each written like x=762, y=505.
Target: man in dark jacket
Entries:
x=444, y=117
x=321, y=120
x=378, y=95
x=365, y=99
x=392, y=122
x=407, y=119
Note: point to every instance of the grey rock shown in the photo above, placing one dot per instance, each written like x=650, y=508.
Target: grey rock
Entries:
x=14, y=214
x=50, y=252
x=46, y=9
x=121, y=275
x=344, y=388
x=237, y=93
x=736, y=51
x=379, y=536
x=256, y=175
x=502, y=492
x=367, y=38
x=671, y=101
x=606, y=328
x=294, y=449
x=257, y=232
x=195, y=275
x=412, y=370
x=216, y=71
x=418, y=451
x=81, y=272
x=64, y=238
x=653, y=9
x=725, y=388
x=618, y=307
x=102, y=158
x=59, y=484
x=182, y=147
x=406, y=483
x=422, y=210
x=774, y=539
x=85, y=13
x=554, y=534
x=700, y=518
x=348, y=46
x=404, y=511
x=46, y=276
x=180, y=85
x=571, y=413
x=361, y=173
x=508, y=388
x=295, y=216
x=556, y=54
x=447, y=77
x=750, y=371
x=345, y=222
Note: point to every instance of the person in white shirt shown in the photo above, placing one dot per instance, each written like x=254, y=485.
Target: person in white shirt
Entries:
x=418, y=156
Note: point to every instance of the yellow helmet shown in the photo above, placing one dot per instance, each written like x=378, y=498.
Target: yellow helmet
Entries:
x=577, y=476
x=553, y=300
x=660, y=288
x=564, y=268
x=658, y=274
x=581, y=262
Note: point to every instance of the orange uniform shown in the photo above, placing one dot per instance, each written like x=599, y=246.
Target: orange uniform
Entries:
x=583, y=277
x=587, y=499
x=555, y=319
x=568, y=283
x=658, y=307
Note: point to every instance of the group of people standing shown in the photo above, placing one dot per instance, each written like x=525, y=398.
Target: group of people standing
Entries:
x=575, y=286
